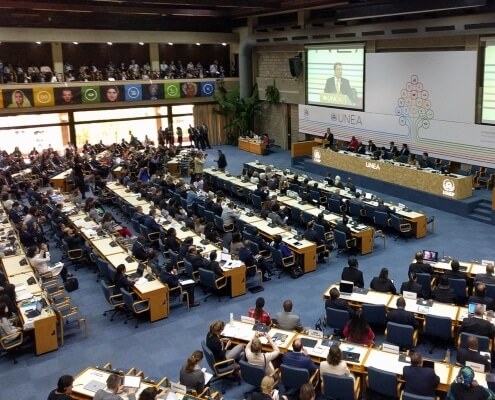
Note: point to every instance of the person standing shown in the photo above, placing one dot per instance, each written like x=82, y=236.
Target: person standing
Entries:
x=328, y=138
x=179, y=136
x=207, y=139
x=221, y=161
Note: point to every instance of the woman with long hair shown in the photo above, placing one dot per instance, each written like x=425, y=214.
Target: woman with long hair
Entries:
x=358, y=330
x=268, y=391
x=220, y=347
x=108, y=224
x=6, y=326
x=334, y=363
x=191, y=374
x=259, y=314
x=382, y=283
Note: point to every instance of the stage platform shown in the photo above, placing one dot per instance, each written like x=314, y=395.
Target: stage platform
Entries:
x=463, y=207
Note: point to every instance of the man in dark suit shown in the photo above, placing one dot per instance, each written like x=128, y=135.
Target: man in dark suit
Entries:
x=419, y=380
x=342, y=227
x=340, y=85
x=337, y=303
x=311, y=235
x=299, y=358
x=352, y=274
x=196, y=259
x=412, y=286
x=488, y=277
x=383, y=208
x=249, y=259
x=472, y=354
x=419, y=266
x=480, y=297
x=168, y=275
x=401, y=316
x=477, y=325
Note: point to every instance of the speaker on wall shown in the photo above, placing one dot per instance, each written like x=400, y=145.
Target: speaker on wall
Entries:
x=295, y=65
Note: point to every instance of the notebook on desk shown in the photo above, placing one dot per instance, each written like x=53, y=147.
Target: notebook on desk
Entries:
x=132, y=381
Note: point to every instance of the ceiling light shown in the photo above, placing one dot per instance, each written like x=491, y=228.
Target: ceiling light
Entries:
x=198, y=44
x=141, y=43
x=224, y=44
x=75, y=42
x=38, y=42
x=109, y=43
x=170, y=44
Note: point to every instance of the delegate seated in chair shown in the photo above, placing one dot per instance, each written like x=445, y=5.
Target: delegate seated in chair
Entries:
x=6, y=326
x=418, y=380
x=169, y=276
x=255, y=356
x=221, y=347
x=358, y=330
x=299, y=358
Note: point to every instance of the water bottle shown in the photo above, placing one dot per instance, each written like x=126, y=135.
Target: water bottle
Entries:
x=447, y=356
x=231, y=318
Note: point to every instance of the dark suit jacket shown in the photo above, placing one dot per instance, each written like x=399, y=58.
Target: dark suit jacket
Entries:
x=353, y=274
x=339, y=304
x=420, y=268
x=464, y=355
x=299, y=360
x=382, y=286
x=414, y=287
x=477, y=326
x=345, y=88
x=482, y=300
x=420, y=381
x=444, y=294
x=401, y=316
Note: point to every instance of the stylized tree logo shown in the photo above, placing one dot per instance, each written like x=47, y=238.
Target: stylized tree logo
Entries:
x=414, y=107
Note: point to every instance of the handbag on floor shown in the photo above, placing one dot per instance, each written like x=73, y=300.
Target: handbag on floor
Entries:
x=71, y=284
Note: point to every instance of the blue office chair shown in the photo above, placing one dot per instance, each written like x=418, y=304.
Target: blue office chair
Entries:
x=410, y=396
x=484, y=343
x=115, y=300
x=221, y=227
x=335, y=205
x=336, y=320
x=252, y=375
x=356, y=210
x=174, y=260
x=403, y=228
x=135, y=307
x=208, y=281
x=424, y=280
x=344, y=244
x=190, y=272
x=460, y=290
x=383, y=383
x=404, y=336
x=256, y=202
x=293, y=378
x=340, y=387
x=209, y=216
x=295, y=215
x=222, y=369
x=285, y=264
x=381, y=219
x=369, y=211
x=375, y=314
x=440, y=329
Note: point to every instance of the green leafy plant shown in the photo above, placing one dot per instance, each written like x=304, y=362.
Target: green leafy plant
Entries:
x=238, y=111
x=272, y=94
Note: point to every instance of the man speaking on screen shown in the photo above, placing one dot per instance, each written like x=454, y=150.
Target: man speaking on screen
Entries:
x=339, y=85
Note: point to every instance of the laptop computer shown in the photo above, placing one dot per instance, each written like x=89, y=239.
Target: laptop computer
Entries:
x=309, y=343
x=139, y=272
x=36, y=311
x=424, y=302
x=472, y=308
x=428, y=364
x=368, y=196
x=224, y=259
x=350, y=356
x=258, y=326
x=346, y=288
x=430, y=256
x=360, y=290
x=94, y=386
x=132, y=381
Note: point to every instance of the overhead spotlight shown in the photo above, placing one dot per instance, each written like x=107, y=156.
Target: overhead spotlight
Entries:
x=75, y=42
x=224, y=44
x=141, y=43
x=109, y=43
x=38, y=42
x=170, y=44
x=198, y=44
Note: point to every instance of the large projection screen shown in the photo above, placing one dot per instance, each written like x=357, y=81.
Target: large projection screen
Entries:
x=335, y=75
x=488, y=105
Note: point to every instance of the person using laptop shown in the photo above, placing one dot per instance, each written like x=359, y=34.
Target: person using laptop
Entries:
x=418, y=380
x=382, y=283
x=352, y=274
x=214, y=265
x=299, y=357
x=255, y=356
x=476, y=325
x=412, y=285
x=114, y=389
x=191, y=374
x=401, y=316
x=123, y=281
x=480, y=297
x=419, y=266
x=358, y=330
x=169, y=276
x=334, y=364
x=287, y=320
x=472, y=354
x=336, y=302
x=221, y=348
x=64, y=388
